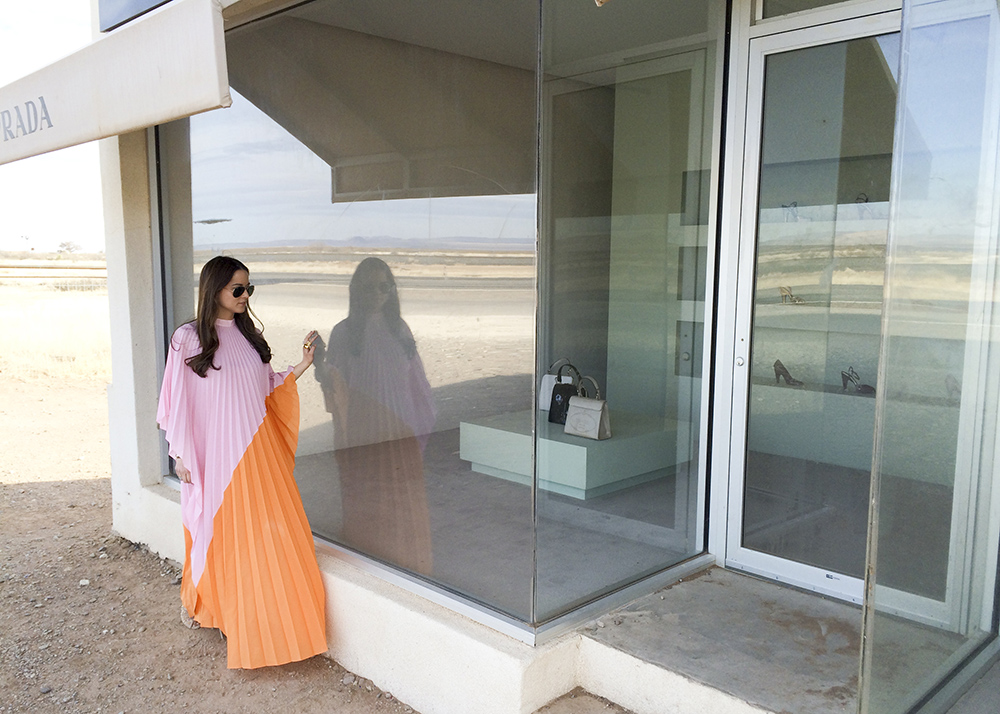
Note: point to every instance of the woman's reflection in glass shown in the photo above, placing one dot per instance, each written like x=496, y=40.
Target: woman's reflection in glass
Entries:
x=383, y=413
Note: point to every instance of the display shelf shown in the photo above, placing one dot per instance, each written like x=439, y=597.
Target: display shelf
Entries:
x=641, y=449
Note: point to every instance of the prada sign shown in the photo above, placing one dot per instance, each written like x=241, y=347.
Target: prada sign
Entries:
x=169, y=64
x=15, y=123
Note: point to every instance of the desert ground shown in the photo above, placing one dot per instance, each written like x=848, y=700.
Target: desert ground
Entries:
x=89, y=622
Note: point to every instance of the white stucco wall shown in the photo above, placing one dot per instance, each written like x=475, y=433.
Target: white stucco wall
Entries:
x=143, y=510
x=409, y=646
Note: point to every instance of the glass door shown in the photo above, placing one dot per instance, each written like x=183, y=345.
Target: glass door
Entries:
x=931, y=601
x=813, y=237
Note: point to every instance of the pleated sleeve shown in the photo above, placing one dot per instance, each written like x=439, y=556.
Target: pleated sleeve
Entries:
x=276, y=379
x=174, y=412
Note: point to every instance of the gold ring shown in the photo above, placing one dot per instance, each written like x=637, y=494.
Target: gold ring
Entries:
x=306, y=345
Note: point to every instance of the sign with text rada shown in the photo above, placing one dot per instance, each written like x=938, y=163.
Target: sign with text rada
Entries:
x=167, y=65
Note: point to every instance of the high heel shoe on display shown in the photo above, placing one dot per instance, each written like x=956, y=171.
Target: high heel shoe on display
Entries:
x=780, y=371
x=852, y=377
x=787, y=296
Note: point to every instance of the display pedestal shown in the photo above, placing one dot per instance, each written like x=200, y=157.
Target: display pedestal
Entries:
x=641, y=449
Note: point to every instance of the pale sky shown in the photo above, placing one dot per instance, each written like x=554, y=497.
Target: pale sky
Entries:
x=53, y=198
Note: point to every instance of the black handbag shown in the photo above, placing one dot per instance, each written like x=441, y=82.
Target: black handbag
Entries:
x=547, y=382
x=561, y=393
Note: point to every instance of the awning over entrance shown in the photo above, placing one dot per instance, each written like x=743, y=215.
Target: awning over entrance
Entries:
x=167, y=65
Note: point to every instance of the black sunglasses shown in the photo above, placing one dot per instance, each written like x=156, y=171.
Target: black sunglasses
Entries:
x=240, y=289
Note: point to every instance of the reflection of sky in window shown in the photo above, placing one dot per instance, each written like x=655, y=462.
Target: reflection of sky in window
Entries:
x=889, y=45
x=258, y=185
x=946, y=77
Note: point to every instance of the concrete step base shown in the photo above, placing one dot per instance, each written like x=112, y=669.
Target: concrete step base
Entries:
x=440, y=662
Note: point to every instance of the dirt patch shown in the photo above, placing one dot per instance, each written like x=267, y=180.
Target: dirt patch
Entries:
x=89, y=621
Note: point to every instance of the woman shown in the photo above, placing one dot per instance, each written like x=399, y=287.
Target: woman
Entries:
x=232, y=427
x=383, y=413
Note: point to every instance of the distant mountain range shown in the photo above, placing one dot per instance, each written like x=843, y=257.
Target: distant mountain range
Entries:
x=459, y=243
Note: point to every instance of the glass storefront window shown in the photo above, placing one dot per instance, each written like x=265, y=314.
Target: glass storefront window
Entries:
x=376, y=172
x=931, y=595
x=625, y=226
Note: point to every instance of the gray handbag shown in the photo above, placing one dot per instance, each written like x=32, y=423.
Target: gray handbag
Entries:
x=588, y=417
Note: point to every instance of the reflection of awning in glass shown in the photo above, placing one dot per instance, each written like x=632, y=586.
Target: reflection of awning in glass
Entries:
x=836, y=127
x=393, y=119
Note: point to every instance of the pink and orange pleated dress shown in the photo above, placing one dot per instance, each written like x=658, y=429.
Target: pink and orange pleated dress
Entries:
x=250, y=564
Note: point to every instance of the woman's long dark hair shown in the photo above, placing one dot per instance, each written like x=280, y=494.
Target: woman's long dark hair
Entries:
x=360, y=307
x=214, y=277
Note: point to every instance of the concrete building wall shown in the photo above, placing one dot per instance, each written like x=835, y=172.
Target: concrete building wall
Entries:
x=144, y=510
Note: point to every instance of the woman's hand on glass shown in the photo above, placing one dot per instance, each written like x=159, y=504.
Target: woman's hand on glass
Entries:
x=308, y=352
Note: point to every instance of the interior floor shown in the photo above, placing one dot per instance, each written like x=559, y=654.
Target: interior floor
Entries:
x=481, y=531
x=817, y=513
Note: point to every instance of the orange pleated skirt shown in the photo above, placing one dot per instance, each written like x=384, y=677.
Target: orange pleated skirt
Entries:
x=261, y=585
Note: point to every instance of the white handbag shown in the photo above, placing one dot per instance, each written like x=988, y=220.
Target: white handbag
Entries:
x=588, y=417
